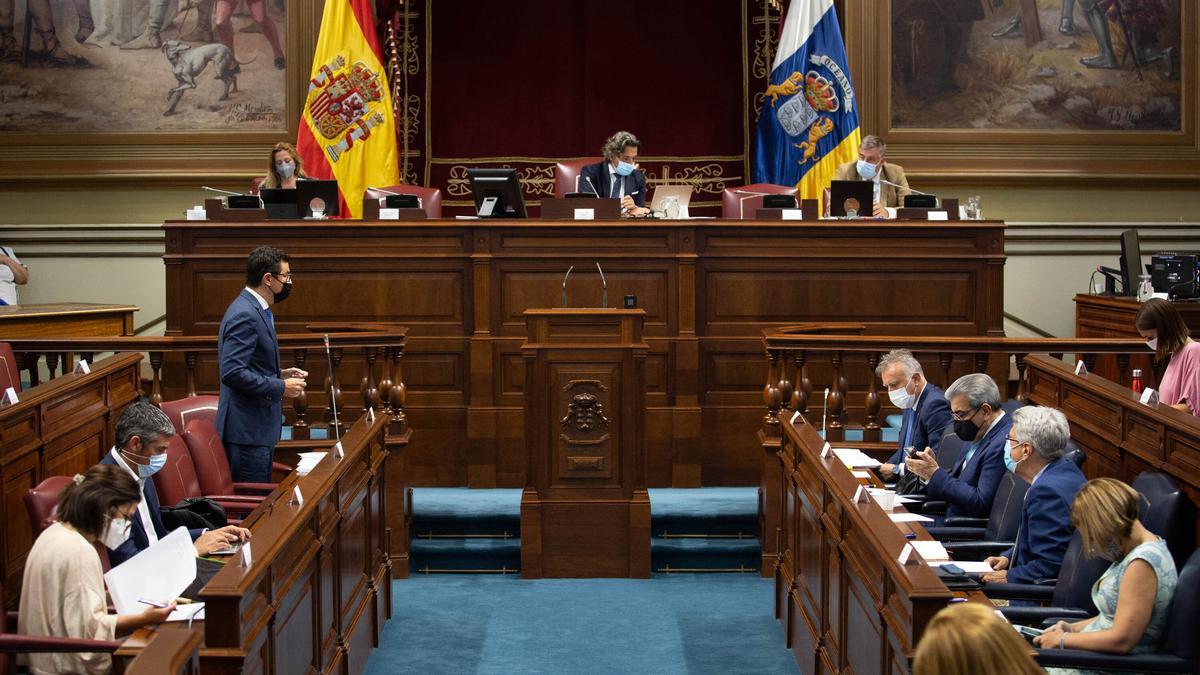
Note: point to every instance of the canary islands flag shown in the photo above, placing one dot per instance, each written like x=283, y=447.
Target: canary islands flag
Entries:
x=809, y=120
x=348, y=129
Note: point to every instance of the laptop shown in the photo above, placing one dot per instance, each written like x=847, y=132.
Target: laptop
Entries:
x=852, y=199
x=683, y=193
x=280, y=203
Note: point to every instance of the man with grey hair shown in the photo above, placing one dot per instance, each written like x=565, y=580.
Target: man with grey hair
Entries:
x=891, y=185
x=926, y=411
x=969, y=486
x=143, y=434
x=1036, y=444
x=617, y=176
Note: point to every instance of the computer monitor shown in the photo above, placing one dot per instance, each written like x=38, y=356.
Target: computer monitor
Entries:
x=852, y=199
x=280, y=203
x=1131, y=267
x=497, y=193
x=326, y=190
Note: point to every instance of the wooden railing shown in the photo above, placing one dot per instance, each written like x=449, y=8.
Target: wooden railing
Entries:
x=188, y=364
x=172, y=650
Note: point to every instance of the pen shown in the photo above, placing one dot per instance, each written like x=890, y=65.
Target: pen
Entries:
x=910, y=535
x=631, y=194
x=152, y=603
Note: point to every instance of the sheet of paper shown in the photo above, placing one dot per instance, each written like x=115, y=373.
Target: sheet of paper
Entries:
x=931, y=550
x=968, y=566
x=861, y=474
x=308, y=460
x=939, y=215
x=158, y=574
x=192, y=612
x=909, y=518
x=900, y=499
x=792, y=214
x=855, y=458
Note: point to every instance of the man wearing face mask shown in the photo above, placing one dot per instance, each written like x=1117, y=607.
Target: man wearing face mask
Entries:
x=617, y=176
x=969, y=486
x=143, y=433
x=926, y=412
x=891, y=185
x=1036, y=443
x=250, y=408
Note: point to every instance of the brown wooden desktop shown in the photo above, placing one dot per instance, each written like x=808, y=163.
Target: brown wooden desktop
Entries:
x=65, y=319
x=708, y=287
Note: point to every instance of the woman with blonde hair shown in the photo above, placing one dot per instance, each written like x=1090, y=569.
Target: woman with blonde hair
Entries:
x=1134, y=594
x=968, y=637
x=285, y=167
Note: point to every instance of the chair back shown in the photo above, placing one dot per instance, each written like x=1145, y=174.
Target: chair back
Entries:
x=256, y=185
x=41, y=503
x=738, y=203
x=1012, y=405
x=1075, y=454
x=10, y=372
x=949, y=449
x=566, y=175
x=208, y=454
x=431, y=198
x=1077, y=576
x=1005, y=517
x=1179, y=636
x=184, y=410
x=177, y=480
x=1166, y=511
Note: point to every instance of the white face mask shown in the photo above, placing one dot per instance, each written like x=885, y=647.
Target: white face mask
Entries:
x=116, y=534
x=1152, y=343
x=901, y=398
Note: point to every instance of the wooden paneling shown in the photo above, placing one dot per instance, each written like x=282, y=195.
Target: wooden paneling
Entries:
x=708, y=289
x=61, y=427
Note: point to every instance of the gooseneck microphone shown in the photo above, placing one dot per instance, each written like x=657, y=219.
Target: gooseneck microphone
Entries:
x=603, y=288
x=904, y=187
x=224, y=192
x=593, y=185
x=337, y=431
x=824, y=412
x=564, y=285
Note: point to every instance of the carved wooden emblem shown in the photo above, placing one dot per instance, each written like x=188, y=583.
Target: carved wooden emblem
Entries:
x=584, y=412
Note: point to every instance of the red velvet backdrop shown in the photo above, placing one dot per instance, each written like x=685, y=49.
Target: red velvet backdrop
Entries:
x=526, y=84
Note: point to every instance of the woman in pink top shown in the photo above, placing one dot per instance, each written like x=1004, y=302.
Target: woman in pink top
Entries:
x=1161, y=324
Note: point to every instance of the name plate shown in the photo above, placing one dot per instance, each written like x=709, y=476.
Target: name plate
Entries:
x=585, y=214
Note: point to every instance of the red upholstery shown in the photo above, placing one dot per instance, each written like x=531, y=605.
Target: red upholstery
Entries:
x=212, y=464
x=566, y=175
x=255, y=184
x=41, y=503
x=177, y=480
x=191, y=408
x=736, y=206
x=39, y=644
x=431, y=198
x=10, y=372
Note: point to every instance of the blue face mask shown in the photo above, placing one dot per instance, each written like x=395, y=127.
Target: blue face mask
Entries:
x=866, y=169
x=1009, y=462
x=157, y=462
x=624, y=168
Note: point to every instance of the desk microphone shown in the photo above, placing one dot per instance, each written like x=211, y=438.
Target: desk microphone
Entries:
x=564, y=288
x=904, y=187
x=332, y=392
x=603, y=288
x=594, y=191
x=224, y=192
x=386, y=192
x=824, y=412
x=742, y=201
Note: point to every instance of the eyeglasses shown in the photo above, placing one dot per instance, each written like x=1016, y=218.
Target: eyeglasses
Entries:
x=284, y=278
x=965, y=415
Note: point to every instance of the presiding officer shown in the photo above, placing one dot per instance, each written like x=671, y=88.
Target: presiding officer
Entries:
x=891, y=185
x=250, y=409
x=617, y=176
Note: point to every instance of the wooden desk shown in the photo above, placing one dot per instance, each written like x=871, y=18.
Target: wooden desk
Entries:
x=847, y=605
x=59, y=428
x=65, y=319
x=709, y=287
x=1100, y=316
x=1121, y=437
x=172, y=650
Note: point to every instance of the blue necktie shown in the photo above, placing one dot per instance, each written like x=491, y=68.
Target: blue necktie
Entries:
x=271, y=320
x=616, y=186
x=910, y=419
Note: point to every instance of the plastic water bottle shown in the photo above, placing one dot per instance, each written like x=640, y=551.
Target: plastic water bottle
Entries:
x=1137, y=381
x=1145, y=290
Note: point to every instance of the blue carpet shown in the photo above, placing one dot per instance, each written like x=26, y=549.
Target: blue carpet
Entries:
x=670, y=624
x=704, y=529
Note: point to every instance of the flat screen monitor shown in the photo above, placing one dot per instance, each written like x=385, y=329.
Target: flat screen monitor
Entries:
x=497, y=193
x=280, y=203
x=325, y=190
x=852, y=199
x=1131, y=262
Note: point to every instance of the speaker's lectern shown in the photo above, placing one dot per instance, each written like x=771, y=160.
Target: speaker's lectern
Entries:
x=585, y=511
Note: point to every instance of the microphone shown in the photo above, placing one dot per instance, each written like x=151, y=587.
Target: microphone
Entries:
x=564, y=292
x=386, y=192
x=332, y=393
x=603, y=288
x=224, y=192
x=742, y=201
x=904, y=187
x=594, y=191
x=824, y=412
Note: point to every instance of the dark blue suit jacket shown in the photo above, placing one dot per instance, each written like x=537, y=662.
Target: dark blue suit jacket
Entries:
x=138, y=541
x=969, y=487
x=1045, y=524
x=931, y=416
x=250, y=409
x=600, y=178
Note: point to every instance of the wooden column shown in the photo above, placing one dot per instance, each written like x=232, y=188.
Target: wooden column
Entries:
x=585, y=511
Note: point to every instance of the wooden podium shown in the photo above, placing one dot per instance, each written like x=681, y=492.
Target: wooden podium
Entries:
x=585, y=511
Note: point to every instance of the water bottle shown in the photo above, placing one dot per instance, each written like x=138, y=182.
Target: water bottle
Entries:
x=1145, y=290
x=1137, y=381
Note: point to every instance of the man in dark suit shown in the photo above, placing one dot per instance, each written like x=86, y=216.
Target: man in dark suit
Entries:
x=926, y=411
x=250, y=408
x=143, y=433
x=1036, y=443
x=617, y=176
x=970, y=485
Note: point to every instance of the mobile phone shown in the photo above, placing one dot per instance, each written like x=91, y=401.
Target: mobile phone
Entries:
x=1029, y=631
x=229, y=550
x=952, y=568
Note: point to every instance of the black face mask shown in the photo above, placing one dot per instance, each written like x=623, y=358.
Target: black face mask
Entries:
x=966, y=429
x=283, y=294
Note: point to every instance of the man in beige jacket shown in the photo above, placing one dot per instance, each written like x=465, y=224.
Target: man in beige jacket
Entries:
x=891, y=185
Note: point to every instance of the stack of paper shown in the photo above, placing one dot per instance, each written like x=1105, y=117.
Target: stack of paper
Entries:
x=156, y=575
x=931, y=551
x=909, y=518
x=855, y=458
x=307, y=461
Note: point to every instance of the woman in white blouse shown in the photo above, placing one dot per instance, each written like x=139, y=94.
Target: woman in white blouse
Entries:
x=63, y=590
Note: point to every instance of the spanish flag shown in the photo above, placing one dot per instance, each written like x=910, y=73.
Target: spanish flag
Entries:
x=809, y=120
x=348, y=130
